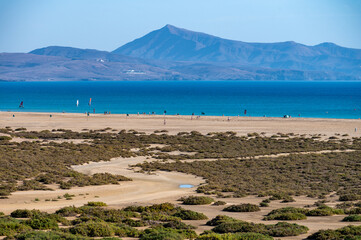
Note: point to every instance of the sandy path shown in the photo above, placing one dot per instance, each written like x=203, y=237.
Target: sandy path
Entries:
x=175, y=124
x=144, y=189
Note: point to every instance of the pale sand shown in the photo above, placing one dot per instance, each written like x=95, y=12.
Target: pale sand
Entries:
x=175, y=124
x=164, y=186
x=144, y=189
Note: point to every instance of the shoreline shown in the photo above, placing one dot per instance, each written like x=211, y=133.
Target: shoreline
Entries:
x=182, y=123
x=174, y=115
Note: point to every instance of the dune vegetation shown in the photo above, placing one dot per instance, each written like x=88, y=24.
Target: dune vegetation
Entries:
x=42, y=160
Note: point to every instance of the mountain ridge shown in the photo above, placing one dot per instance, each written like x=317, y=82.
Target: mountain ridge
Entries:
x=201, y=47
x=172, y=53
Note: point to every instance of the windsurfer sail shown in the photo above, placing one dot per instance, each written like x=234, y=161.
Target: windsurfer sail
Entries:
x=90, y=102
x=77, y=103
x=21, y=104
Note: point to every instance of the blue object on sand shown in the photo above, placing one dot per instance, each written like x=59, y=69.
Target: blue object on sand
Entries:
x=186, y=186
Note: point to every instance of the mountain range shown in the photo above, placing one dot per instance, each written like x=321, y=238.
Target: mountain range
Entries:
x=172, y=53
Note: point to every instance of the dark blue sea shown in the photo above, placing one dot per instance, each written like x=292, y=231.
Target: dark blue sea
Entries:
x=229, y=98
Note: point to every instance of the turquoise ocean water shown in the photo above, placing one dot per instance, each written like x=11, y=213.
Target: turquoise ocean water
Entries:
x=229, y=98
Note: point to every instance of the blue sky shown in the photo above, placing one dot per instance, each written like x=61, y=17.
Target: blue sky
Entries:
x=107, y=24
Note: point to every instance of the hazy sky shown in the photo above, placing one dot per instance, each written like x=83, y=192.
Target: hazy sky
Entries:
x=108, y=24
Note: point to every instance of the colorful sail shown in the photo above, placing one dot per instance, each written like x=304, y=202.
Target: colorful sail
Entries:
x=90, y=102
x=21, y=104
x=77, y=103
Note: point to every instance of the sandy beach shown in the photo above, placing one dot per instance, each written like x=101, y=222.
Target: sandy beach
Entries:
x=161, y=187
x=174, y=124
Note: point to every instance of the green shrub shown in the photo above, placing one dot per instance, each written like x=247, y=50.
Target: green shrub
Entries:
x=68, y=211
x=96, y=204
x=164, y=234
x=348, y=232
x=220, y=219
x=234, y=236
x=287, y=213
x=219, y=203
x=42, y=223
x=324, y=211
x=246, y=207
x=263, y=204
x=93, y=229
x=11, y=226
x=21, y=213
x=159, y=217
x=197, y=200
x=281, y=229
x=350, y=197
x=239, y=226
x=160, y=233
x=352, y=218
x=354, y=211
x=178, y=225
x=124, y=230
x=284, y=229
x=190, y=215
x=40, y=235
x=286, y=216
x=5, y=138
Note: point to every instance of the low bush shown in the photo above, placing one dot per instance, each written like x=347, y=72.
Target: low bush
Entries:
x=68, y=211
x=42, y=223
x=219, y=203
x=161, y=233
x=40, y=235
x=348, y=232
x=246, y=207
x=287, y=213
x=353, y=211
x=164, y=234
x=197, y=200
x=159, y=217
x=263, y=204
x=22, y=213
x=190, y=215
x=284, y=229
x=286, y=216
x=123, y=230
x=178, y=225
x=11, y=226
x=96, y=204
x=93, y=229
x=324, y=211
x=281, y=229
x=234, y=236
x=352, y=218
x=350, y=197
x=220, y=219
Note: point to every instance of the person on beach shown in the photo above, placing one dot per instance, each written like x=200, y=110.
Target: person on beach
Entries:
x=165, y=122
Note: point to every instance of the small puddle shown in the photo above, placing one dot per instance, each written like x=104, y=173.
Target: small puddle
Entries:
x=186, y=186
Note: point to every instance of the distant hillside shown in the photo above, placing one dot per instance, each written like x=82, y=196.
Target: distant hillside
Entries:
x=172, y=53
x=175, y=44
x=71, y=64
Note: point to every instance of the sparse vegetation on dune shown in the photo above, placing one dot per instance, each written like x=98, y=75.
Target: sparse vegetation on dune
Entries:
x=196, y=200
x=310, y=174
x=40, y=162
x=348, y=232
x=281, y=229
x=95, y=220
